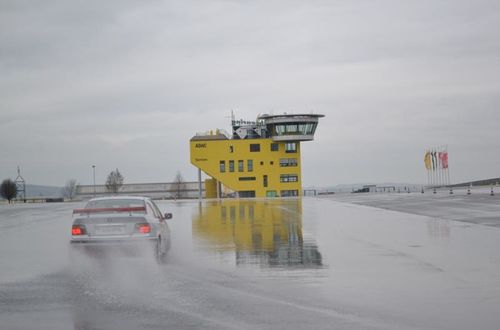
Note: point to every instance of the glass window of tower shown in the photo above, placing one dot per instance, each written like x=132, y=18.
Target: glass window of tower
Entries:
x=291, y=147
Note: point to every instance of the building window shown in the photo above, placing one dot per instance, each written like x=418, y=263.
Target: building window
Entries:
x=246, y=178
x=307, y=129
x=289, y=193
x=250, y=165
x=294, y=129
x=271, y=163
x=285, y=162
x=231, y=149
x=231, y=166
x=265, y=181
x=247, y=194
x=261, y=163
x=279, y=129
x=289, y=178
x=274, y=147
x=271, y=193
x=290, y=147
x=240, y=166
x=222, y=166
x=254, y=147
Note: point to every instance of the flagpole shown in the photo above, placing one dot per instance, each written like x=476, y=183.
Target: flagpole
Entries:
x=448, y=168
x=425, y=164
x=441, y=183
x=431, y=182
x=431, y=169
x=433, y=153
x=429, y=172
x=442, y=166
x=437, y=167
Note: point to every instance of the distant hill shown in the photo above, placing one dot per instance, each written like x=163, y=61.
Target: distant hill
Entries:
x=355, y=186
x=485, y=182
x=33, y=190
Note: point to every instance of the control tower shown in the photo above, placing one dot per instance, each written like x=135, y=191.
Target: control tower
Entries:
x=259, y=159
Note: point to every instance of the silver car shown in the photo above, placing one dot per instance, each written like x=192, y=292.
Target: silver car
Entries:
x=121, y=221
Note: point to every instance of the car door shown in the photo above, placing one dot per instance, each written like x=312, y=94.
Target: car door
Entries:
x=160, y=220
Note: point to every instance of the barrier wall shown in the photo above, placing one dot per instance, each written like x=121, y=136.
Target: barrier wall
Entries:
x=155, y=190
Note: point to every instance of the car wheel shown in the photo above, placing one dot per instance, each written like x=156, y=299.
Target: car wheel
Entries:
x=160, y=251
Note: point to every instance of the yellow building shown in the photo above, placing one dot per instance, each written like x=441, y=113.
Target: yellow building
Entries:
x=259, y=159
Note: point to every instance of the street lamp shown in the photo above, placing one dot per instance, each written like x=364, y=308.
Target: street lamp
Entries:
x=93, y=170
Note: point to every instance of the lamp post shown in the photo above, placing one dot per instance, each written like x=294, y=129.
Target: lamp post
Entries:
x=93, y=171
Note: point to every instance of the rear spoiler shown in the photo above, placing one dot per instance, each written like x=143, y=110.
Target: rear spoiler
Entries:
x=110, y=209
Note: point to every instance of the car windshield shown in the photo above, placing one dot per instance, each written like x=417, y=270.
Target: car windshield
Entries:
x=116, y=203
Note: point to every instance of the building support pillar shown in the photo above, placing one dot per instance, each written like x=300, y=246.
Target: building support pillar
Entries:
x=199, y=185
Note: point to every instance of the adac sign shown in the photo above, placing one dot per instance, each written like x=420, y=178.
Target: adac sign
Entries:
x=200, y=145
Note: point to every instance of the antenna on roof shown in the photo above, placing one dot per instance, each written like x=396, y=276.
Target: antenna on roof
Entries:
x=232, y=117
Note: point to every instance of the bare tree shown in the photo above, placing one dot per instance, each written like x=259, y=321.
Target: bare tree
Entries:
x=179, y=185
x=8, y=189
x=70, y=189
x=114, y=181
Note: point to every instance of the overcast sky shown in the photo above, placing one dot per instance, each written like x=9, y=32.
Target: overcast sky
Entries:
x=126, y=84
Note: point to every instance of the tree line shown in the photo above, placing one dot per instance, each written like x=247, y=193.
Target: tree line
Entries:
x=114, y=181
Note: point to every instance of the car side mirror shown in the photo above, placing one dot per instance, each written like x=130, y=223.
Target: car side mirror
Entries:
x=168, y=216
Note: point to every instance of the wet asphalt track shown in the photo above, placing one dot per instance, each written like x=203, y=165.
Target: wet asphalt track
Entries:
x=256, y=264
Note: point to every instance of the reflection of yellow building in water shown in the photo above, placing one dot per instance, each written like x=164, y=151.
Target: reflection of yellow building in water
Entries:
x=265, y=232
x=259, y=159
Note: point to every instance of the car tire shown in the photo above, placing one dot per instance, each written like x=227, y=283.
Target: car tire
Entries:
x=160, y=251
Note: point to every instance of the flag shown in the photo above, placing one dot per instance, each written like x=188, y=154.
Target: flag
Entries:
x=444, y=159
x=434, y=160
x=427, y=160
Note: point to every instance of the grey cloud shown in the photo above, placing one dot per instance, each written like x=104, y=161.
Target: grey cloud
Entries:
x=107, y=78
